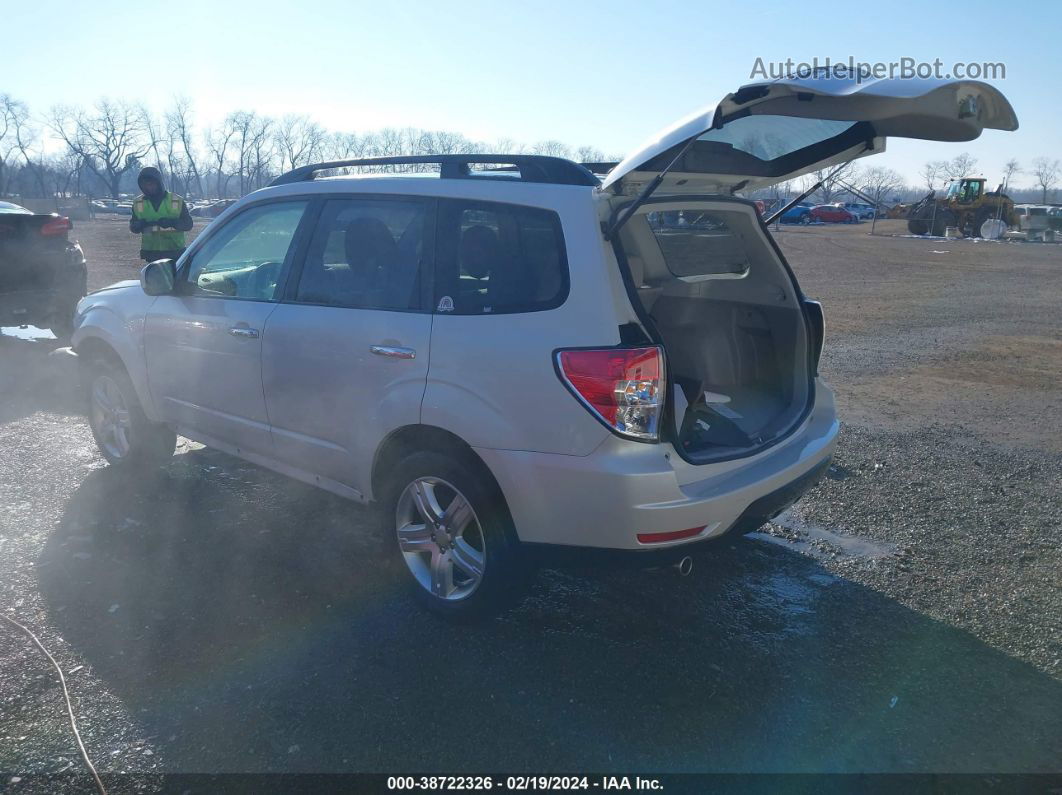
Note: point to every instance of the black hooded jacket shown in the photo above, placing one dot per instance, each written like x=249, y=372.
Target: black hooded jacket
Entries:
x=182, y=224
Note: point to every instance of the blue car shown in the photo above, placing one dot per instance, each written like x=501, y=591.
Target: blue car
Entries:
x=798, y=214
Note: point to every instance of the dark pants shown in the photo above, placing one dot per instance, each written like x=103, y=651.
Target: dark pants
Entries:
x=151, y=256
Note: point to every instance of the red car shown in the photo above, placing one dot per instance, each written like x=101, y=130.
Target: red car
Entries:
x=831, y=213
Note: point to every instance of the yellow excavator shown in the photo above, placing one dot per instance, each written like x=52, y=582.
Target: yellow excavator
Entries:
x=965, y=205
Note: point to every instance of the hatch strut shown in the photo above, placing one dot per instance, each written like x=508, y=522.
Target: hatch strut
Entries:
x=805, y=194
x=654, y=183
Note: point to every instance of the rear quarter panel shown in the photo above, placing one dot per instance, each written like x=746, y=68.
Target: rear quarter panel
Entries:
x=492, y=379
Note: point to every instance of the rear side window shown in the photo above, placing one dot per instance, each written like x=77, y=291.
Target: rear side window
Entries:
x=366, y=254
x=696, y=243
x=499, y=258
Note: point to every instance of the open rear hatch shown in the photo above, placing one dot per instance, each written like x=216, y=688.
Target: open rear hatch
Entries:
x=704, y=274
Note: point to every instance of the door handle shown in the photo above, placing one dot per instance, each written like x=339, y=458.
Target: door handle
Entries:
x=243, y=331
x=393, y=352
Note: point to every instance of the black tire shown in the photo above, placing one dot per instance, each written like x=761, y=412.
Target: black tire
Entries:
x=918, y=226
x=147, y=444
x=805, y=219
x=944, y=219
x=983, y=215
x=505, y=571
x=61, y=322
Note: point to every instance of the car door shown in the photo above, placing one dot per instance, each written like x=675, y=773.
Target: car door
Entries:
x=345, y=356
x=203, y=344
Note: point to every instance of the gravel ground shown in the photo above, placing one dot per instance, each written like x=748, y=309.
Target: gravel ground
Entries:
x=905, y=616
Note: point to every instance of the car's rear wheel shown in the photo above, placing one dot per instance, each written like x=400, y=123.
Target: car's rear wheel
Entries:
x=805, y=219
x=61, y=322
x=455, y=537
x=123, y=433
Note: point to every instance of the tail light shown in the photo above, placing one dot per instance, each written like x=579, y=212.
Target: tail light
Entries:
x=59, y=225
x=623, y=387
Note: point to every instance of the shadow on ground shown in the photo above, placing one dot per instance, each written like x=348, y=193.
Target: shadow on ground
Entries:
x=252, y=624
x=31, y=380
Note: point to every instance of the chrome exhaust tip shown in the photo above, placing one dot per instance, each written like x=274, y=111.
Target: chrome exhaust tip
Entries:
x=685, y=566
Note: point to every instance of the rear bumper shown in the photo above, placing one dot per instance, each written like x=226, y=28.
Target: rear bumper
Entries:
x=756, y=515
x=60, y=281
x=623, y=489
x=30, y=307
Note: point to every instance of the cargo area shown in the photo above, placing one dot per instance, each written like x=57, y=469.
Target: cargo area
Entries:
x=729, y=316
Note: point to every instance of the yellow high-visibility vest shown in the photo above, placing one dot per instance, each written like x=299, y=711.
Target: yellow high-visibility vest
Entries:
x=169, y=208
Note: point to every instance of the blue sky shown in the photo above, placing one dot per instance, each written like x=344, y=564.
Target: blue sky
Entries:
x=604, y=74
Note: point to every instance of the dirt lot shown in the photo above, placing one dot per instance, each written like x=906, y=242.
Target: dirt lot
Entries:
x=906, y=616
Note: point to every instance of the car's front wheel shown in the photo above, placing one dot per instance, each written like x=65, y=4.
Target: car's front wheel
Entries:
x=123, y=433
x=454, y=535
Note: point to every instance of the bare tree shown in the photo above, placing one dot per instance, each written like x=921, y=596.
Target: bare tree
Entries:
x=450, y=143
x=252, y=148
x=589, y=154
x=1046, y=172
x=8, y=107
x=109, y=139
x=179, y=129
x=932, y=172
x=960, y=166
x=24, y=137
x=298, y=141
x=345, y=146
x=552, y=149
x=830, y=178
x=507, y=146
x=1011, y=168
x=219, y=144
x=155, y=133
x=261, y=152
x=878, y=184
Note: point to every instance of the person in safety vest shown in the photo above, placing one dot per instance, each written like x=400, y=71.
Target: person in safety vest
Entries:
x=160, y=217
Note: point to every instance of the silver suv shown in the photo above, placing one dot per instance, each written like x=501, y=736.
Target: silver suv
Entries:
x=508, y=353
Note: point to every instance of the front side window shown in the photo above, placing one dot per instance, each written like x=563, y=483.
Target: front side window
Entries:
x=366, y=254
x=499, y=258
x=247, y=257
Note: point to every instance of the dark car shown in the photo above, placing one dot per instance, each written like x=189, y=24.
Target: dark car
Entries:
x=42, y=273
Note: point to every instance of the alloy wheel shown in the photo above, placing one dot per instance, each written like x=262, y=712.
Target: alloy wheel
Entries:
x=110, y=417
x=441, y=538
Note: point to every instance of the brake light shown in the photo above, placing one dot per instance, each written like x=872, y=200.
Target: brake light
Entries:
x=623, y=387
x=59, y=225
x=673, y=535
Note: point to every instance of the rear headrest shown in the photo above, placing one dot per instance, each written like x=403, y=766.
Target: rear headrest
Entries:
x=369, y=242
x=480, y=250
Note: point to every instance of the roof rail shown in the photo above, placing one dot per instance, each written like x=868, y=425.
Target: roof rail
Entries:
x=532, y=168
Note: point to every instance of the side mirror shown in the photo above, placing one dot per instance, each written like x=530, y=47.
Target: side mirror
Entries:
x=158, y=277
